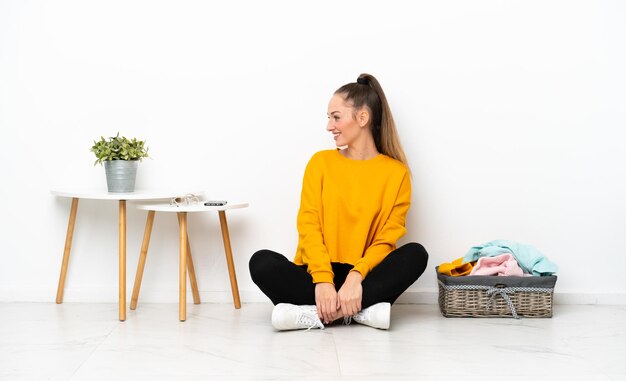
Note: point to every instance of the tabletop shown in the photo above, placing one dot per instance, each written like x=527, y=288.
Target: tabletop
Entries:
x=199, y=207
x=100, y=194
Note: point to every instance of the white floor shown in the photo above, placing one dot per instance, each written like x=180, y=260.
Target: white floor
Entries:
x=78, y=341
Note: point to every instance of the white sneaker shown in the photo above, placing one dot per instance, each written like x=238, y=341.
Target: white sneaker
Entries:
x=376, y=316
x=287, y=316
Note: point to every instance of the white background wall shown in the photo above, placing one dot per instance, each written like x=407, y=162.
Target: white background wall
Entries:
x=511, y=112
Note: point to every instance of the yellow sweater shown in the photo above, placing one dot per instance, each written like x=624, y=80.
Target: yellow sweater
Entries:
x=351, y=211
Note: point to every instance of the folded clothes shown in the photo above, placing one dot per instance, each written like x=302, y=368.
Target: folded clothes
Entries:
x=528, y=258
x=502, y=265
x=455, y=268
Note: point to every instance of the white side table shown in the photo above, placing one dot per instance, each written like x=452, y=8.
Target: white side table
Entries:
x=75, y=195
x=185, y=262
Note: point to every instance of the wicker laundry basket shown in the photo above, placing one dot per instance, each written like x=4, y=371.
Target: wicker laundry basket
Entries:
x=496, y=296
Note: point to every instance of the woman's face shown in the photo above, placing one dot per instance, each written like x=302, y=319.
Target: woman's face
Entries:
x=341, y=123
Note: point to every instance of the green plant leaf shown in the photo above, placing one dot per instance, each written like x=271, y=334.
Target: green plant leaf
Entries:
x=118, y=148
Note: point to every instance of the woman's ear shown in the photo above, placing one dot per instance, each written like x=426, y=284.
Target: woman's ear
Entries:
x=363, y=117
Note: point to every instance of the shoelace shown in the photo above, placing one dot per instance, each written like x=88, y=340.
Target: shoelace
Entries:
x=361, y=315
x=358, y=317
x=305, y=319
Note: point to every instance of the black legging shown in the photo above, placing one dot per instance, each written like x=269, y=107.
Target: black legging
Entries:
x=285, y=282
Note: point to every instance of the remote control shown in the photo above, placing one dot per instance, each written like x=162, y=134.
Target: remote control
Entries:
x=215, y=203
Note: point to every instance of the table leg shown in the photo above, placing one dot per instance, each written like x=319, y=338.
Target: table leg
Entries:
x=66, y=251
x=142, y=259
x=122, y=233
x=192, y=275
x=229, y=259
x=182, y=270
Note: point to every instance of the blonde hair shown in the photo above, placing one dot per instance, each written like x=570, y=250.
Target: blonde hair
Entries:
x=366, y=91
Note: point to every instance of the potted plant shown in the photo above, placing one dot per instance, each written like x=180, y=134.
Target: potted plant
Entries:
x=120, y=157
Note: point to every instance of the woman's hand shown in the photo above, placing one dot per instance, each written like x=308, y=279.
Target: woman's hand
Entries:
x=326, y=301
x=351, y=294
